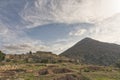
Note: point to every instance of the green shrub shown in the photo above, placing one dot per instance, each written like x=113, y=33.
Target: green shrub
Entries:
x=2, y=56
x=44, y=61
x=86, y=70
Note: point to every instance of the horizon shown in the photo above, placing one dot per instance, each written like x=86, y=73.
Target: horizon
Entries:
x=88, y=38
x=44, y=25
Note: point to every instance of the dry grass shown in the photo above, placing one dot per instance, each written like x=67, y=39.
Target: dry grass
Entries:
x=61, y=71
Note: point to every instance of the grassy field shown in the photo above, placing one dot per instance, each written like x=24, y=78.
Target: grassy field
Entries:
x=61, y=71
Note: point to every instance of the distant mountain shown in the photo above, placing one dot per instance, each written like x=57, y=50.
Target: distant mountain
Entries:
x=91, y=51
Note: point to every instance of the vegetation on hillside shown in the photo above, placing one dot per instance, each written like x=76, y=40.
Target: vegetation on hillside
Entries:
x=91, y=51
x=48, y=66
x=118, y=64
x=36, y=57
x=2, y=56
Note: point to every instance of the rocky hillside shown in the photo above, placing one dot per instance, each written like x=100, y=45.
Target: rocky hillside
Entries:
x=91, y=51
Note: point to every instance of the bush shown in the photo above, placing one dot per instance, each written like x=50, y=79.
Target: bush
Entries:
x=7, y=60
x=44, y=61
x=86, y=70
x=43, y=72
x=2, y=56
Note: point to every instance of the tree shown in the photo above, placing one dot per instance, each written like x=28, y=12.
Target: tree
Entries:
x=30, y=52
x=2, y=56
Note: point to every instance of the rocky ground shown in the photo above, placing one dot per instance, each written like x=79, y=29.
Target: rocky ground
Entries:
x=61, y=71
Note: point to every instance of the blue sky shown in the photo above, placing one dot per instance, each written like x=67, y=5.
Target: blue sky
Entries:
x=50, y=32
x=56, y=25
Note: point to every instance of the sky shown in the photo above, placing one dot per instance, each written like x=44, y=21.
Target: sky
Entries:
x=56, y=25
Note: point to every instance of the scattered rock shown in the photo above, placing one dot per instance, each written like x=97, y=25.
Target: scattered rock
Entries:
x=43, y=72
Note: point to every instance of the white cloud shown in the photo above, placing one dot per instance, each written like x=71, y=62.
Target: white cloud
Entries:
x=61, y=45
x=78, y=32
x=107, y=30
x=42, y=12
x=6, y=34
x=39, y=12
x=24, y=46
